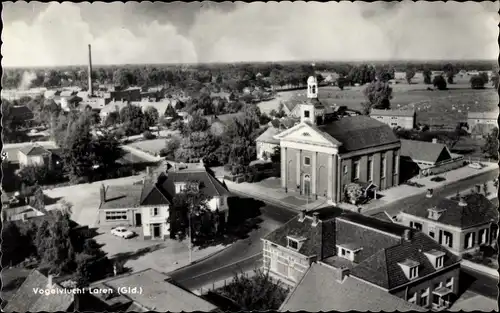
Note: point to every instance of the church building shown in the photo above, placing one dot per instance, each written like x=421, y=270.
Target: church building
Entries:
x=319, y=159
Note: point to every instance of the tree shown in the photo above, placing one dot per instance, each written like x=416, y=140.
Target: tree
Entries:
x=490, y=147
x=477, y=82
x=179, y=105
x=171, y=146
x=133, y=120
x=378, y=95
x=341, y=82
x=264, y=119
x=113, y=118
x=449, y=69
x=77, y=151
x=14, y=244
x=170, y=112
x=439, y=82
x=427, y=76
x=410, y=73
x=354, y=192
x=151, y=115
x=197, y=123
x=495, y=80
x=196, y=146
x=258, y=292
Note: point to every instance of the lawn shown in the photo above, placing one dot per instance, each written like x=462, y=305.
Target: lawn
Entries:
x=433, y=107
x=152, y=146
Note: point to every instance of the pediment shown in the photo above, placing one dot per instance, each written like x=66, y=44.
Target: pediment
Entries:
x=304, y=132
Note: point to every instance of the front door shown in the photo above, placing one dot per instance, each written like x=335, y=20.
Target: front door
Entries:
x=307, y=185
x=156, y=231
x=138, y=219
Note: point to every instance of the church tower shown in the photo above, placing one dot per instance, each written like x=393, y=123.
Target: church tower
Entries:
x=308, y=112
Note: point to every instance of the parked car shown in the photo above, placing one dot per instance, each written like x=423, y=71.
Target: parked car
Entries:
x=477, y=166
x=122, y=232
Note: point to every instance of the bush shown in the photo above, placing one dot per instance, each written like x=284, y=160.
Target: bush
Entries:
x=148, y=135
x=438, y=179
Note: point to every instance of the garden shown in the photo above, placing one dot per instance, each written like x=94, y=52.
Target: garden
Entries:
x=486, y=255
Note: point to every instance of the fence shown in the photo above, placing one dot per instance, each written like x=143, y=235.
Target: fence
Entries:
x=221, y=283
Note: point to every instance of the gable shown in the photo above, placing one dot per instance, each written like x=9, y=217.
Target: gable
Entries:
x=444, y=155
x=305, y=133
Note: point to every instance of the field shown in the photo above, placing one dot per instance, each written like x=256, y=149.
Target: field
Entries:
x=433, y=107
x=152, y=146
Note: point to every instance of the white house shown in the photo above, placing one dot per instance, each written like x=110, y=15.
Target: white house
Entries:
x=395, y=118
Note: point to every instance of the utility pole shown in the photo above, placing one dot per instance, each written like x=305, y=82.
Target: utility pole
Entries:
x=190, y=238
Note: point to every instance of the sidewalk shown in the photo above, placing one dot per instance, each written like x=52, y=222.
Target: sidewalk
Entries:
x=270, y=191
x=404, y=191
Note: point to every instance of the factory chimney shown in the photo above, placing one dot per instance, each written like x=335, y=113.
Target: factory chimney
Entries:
x=91, y=92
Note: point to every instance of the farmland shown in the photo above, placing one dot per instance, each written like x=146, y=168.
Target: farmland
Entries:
x=434, y=107
x=152, y=146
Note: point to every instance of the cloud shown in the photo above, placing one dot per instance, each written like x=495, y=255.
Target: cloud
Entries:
x=339, y=31
x=59, y=36
x=272, y=31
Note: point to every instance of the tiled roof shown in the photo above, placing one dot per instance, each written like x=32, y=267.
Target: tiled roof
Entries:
x=368, y=221
x=478, y=210
x=315, y=235
x=34, y=150
x=424, y=151
x=383, y=270
x=158, y=293
x=26, y=300
x=405, y=113
x=319, y=290
x=483, y=115
x=152, y=194
x=122, y=197
x=359, y=132
x=268, y=136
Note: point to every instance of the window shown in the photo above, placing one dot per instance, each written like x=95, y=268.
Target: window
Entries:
x=438, y=285
x=306, y=113
x=345, y=169
x=221, y=201
x=355, y=170
x=155, y=212
x=483, y=236
x=382, y=167
x=370, y=169
x=449, y=283
x=413, y=272
x=267, y=262
x=306, y=135
x=394, y=124
x=432, y=232
x=413, y=298
x=307, y=161
x=293, y=244
x=469, y=240
x=116, y=215
x=439, y=261
x=416, y=225
x=448, y=239
x=342, y=252
x=424, y=298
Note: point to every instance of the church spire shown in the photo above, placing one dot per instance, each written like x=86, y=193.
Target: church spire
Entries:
x=312, y=88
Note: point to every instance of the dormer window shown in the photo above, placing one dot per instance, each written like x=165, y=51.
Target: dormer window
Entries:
x=436, y=257
x=434, y=213
x=439, y=262
x=348, y=251
x=292, y=243
x=180, y=187
x=410, y=268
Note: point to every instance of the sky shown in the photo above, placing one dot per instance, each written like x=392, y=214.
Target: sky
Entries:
x=57, y=34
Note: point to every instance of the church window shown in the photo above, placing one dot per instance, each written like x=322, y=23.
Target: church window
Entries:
x=307, y=161
x=306, y=114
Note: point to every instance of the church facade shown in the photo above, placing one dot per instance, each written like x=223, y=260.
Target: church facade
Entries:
x=319, y=159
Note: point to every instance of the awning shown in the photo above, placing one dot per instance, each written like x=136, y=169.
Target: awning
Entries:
x=442, y=291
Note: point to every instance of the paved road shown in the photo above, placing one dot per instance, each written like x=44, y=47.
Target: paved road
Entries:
x=448, y=190
x=243, y=255
x=479, y=283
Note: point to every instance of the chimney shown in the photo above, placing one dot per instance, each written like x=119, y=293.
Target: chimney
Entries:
x=315, y=218
x=407, y=235
x=50, y=284
x=103, y=193
x=341, y=273
x=91, y=91
x=434, y=140
x=478, y=188
x=302, y=215
x=462, y=202
x=429, y=193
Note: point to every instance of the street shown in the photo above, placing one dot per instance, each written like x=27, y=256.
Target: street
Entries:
x=245, y=255
x=479, y=283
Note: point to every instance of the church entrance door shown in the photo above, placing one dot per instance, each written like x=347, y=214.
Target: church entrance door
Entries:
x=307, y=185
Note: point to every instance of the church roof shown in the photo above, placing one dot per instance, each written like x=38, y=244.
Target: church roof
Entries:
x=359, y=132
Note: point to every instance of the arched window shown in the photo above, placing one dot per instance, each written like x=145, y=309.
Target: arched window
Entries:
x=307, y=177
x=313, y=89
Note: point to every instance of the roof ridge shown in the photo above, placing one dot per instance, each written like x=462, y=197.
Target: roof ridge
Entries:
x=210, y=180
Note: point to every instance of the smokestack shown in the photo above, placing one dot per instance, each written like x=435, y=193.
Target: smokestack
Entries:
x=91, y=92
x=103, y=193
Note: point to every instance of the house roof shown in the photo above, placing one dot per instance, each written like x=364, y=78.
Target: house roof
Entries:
x=122, y=197
x=159, y=293
x=359, y=132
x=163, y=191
x=424, y=151
x=268, y=136
x=314, y=235
x=482, y=115
x=478, y=210
x=33, y=150
x=402, y=113
x=319, y=290
x=26, y=300
x=382, y=268
x=22, y=112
